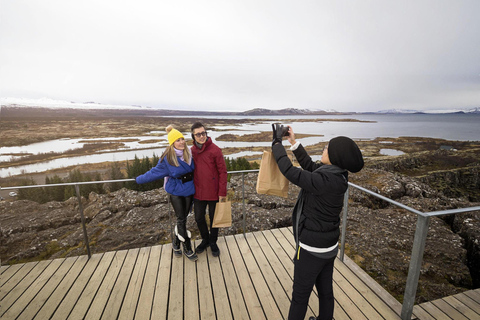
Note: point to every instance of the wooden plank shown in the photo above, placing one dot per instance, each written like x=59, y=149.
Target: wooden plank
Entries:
x=278, y=292
x=144, y=306
x=132, y=295
x=248, y=290
x=2, y=270
x=369, y=296
x=60, y=292
x=105, y=287
x=162, y=288
x=117, y=289
x=420, y=313
x=83, y=296
x=207, y=308
x=53, y=281
x=175, y=301
x=383, y=294
x=78, y=287
x=463, y=298
x=7, y=273
x=473, y=294
x=434, y=311
x=220, y=295
x=264, y=294
x=448, y=309
x=460, y=307
x=22, y=285
x=345, y=304
x=191, y=296
x=14, y=279
x=26, y=296
x=273, y=251
x=237, y=302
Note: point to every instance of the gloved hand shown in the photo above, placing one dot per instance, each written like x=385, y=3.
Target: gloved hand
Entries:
x=277, y=133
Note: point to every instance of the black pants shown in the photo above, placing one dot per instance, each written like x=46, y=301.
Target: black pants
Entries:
x=310, y=270
x=200, y=209
x=181, y=206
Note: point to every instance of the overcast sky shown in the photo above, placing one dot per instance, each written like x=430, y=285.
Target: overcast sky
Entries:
x=242, y=54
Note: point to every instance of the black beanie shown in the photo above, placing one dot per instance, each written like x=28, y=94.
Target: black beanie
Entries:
x=344, y=152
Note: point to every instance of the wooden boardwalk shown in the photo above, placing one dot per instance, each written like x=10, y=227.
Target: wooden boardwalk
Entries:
x=252, y=279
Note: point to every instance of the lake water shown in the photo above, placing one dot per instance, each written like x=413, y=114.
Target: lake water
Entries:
x=449, y=126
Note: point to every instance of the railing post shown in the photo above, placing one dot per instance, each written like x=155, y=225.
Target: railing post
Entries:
x=415, y=266
x=80, y=207
x=243, y=199
x=344, y=224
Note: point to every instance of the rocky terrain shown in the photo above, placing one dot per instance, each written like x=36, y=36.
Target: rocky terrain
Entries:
x=379, y=236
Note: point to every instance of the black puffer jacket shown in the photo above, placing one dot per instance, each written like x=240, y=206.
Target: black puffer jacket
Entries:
x=321, y=197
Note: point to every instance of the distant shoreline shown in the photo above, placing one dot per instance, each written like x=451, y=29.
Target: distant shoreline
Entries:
x=60, y=112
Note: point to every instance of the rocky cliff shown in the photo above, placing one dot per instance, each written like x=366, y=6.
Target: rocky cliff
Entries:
x=379, y=236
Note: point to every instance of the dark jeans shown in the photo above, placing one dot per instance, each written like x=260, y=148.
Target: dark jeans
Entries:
x=310, y=270
x=181, y=206
x=200, y=209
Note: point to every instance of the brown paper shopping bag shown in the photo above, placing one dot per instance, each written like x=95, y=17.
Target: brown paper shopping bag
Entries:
x=270, y=180
x=223, y=215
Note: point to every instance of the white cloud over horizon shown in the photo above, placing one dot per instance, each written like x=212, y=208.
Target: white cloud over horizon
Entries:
x=239, y=55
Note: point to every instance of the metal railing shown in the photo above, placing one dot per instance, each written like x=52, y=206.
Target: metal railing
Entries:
x=420, y=237
x=418, y=248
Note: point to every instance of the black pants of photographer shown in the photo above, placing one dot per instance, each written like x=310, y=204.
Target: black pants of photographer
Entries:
x=181, y=206
x=200, y=210
x=310, y=271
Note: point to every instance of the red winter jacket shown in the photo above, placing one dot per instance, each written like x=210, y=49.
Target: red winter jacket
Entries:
x=210, y=175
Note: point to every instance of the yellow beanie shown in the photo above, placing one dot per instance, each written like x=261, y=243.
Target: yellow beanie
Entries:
x=173, y=134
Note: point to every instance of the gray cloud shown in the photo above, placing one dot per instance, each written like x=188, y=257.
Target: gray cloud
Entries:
x=219, y=55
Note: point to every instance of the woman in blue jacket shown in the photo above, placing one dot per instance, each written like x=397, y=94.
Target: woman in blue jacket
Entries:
x=176, y=167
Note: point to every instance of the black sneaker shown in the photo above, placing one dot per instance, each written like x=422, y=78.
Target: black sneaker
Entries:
x=215, y=250
x=202, y=246
x=177, y=250
x=188, y=252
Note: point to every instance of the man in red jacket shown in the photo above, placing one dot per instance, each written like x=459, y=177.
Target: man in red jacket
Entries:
x=210, y=179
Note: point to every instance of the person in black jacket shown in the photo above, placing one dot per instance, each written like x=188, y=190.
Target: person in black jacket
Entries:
x=316, y=215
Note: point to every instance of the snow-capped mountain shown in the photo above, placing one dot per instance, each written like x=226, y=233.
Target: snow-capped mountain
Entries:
x=50, y=103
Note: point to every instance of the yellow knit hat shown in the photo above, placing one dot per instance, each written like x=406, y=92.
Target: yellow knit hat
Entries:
x=173, y=134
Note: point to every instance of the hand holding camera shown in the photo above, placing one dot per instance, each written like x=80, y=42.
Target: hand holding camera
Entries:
x=279, y=131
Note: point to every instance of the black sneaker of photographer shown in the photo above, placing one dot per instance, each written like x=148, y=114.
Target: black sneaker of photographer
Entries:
x=202, y=246
x=215, y=250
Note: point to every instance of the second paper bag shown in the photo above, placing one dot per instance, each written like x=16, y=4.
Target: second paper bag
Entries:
x=223, y=215
x=270, y=180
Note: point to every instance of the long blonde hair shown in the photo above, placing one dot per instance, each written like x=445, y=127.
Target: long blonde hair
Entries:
x=171, y=155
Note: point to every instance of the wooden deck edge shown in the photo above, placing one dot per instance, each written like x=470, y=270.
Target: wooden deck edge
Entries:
x=383, y=294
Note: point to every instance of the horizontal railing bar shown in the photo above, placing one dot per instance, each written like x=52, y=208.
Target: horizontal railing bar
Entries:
x=65, y=184
x=398, y=204
x=91, y=182
x=452, y=211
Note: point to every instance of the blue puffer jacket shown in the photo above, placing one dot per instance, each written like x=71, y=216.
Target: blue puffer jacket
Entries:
x=173, y=184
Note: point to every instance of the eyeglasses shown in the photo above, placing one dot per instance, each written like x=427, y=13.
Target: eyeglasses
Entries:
x=201, y=134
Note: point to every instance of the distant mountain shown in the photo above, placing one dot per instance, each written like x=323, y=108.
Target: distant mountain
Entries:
x=50, y=105
x=438, y=111
x=282, y=112
x=46, y=106
x=393, y=111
